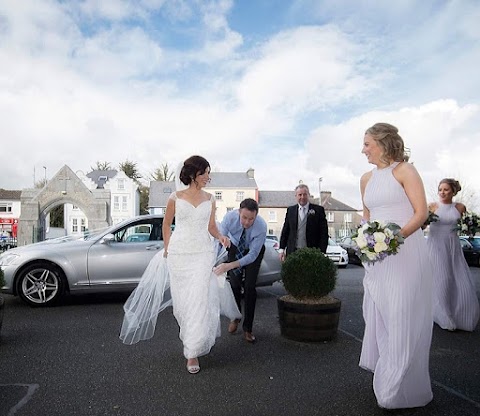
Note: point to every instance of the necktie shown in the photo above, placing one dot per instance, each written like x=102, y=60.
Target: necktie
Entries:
x=302, y=213
x=241, y=247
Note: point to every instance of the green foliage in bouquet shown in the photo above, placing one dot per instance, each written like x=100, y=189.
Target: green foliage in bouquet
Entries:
x=308, y=274
x=468, y=224
x=432, y=217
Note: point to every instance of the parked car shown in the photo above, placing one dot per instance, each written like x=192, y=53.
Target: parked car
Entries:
x=337, y=254
x=112, y=260
x=347, y=244
x=471, y=250
x=274, y=238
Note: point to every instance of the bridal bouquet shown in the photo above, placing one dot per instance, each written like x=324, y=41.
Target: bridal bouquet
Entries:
x=432, y=217
x=468, y=224
x=375, y=240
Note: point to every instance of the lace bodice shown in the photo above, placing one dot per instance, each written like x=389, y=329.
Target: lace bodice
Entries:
x=191, y=227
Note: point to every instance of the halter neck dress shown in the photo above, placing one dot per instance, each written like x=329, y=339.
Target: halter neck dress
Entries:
x=455, y=303
x=397, y=305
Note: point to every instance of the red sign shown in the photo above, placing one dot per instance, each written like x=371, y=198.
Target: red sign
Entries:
x=8, y=220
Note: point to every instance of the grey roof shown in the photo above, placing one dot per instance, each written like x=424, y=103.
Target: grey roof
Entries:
x=283, y=199
x=98, y=176
x=159, y=193
x=231, y=180
x=10, y=195
x=332, y=204
x=276, y=199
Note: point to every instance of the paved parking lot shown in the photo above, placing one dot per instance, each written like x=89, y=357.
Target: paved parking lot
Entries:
x=68, y=360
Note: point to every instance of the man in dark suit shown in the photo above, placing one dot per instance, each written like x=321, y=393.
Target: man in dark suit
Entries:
x=305, y=225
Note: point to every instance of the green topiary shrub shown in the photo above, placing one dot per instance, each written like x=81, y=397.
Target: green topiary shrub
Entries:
x=308, y=274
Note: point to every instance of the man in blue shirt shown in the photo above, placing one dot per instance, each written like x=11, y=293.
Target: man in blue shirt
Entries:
x=247, y=233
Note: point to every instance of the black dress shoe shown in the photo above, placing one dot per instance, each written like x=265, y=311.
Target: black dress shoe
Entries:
x=249, y=337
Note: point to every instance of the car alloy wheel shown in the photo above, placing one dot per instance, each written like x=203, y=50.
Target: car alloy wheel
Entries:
x=41, y=284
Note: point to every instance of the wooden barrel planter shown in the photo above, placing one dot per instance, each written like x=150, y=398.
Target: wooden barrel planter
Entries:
x=308, y=322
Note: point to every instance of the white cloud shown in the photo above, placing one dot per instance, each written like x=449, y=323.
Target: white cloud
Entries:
x=157, y=80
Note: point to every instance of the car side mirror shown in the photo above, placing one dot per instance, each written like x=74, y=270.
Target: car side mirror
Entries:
x=108, y=238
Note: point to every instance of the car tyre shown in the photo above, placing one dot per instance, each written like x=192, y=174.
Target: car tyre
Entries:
x=41, y=284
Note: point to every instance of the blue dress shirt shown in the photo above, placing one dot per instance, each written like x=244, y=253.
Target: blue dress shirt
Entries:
x=255, y=235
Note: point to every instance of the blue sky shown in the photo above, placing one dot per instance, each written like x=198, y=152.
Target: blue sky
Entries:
x=285, y=87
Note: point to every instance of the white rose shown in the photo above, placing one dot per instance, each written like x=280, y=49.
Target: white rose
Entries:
x=371, y=256
x=388, y=232
x=382, y=224
x=363, y=228
x=379, y=237
x=360, y=241
x=380, y=246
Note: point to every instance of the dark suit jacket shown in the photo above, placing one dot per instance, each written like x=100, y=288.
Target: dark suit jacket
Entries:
x=317, y=229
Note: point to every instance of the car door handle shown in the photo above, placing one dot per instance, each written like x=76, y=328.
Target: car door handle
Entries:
x=154, y=247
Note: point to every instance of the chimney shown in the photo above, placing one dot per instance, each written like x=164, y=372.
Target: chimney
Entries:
x=251, y=173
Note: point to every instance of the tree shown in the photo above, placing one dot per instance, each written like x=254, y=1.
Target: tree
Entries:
x=144, y=197
x=163, y=173
x=57, y=217
x=102, y=166
x=41, y=183
x=130, y=169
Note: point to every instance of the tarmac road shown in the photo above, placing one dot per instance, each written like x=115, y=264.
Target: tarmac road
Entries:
x=68, y=360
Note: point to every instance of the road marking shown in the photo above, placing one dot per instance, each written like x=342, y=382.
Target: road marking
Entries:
x=30, y=390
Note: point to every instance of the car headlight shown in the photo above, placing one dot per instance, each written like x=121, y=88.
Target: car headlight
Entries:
x=8, y=258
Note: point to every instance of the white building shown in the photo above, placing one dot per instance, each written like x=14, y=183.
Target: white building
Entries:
x=125, y=199
x=10, y=209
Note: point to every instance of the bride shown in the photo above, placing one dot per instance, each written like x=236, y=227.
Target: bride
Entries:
x=182, y=273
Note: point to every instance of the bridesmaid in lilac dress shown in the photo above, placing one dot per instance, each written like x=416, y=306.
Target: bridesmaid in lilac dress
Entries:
x=397, y=303
x=455, y=303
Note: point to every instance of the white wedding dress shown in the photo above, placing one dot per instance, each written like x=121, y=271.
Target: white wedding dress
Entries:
x=185, y=280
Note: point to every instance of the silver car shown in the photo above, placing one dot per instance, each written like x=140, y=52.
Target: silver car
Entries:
x=112, y=260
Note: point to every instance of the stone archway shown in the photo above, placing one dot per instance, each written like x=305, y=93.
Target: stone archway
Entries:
x=64, y=187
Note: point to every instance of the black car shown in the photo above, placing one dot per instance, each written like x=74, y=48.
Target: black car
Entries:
x=347, y=244
x=471, y=250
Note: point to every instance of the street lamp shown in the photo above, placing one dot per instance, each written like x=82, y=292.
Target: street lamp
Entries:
x=45, y=174
x=320, y=190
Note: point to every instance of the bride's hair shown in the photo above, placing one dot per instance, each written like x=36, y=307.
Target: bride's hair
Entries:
x=390, y=141
x=193, y=166
x=453, y=183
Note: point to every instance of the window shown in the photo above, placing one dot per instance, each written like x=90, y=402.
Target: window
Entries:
x=272, y=216
x=218, y=195
x=330, y=217
x=124, y=203
x=6, y=207
x=83, y=226
x=116, y=203
x=74, y=207
x=230, y=209
x=74, y=225
x=121, y=184
x=240, y=196
x=347, y=217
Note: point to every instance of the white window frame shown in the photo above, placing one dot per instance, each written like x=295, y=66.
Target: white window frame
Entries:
x=218, y=195
x=6, y=207
x=121, y=184
x=240, y=196
x=125, y=203
x=116, y=203
x=347, y=217
x=74, y=225
x=330, y=216
x=272, y=216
